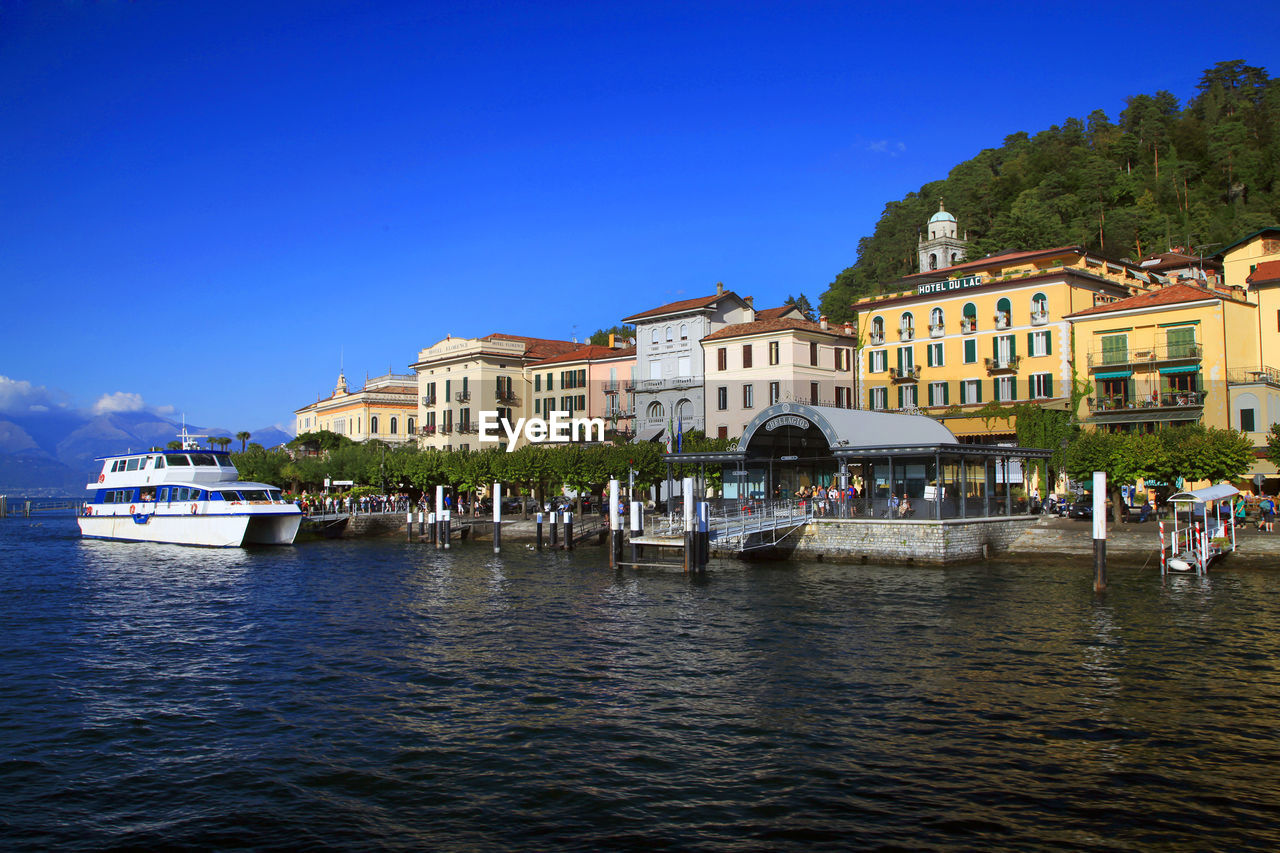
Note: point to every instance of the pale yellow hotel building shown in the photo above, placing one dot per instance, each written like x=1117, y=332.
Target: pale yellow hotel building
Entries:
x=385, y=409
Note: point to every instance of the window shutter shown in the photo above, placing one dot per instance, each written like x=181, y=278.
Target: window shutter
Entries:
x=1048, y=384
x=995, y=390
x=900, y=390
x=1013, y=347
x=946, y=393
x=995, y=348
x=977, y=392
x=1031, y=344
x=1048, y=343
x=931, y=394
x=928, y=355
x=899, y=361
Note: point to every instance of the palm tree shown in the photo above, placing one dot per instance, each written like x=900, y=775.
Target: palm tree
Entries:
x=244, y=436
x=221, y=440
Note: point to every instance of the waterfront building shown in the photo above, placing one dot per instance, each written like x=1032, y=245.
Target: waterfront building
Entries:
x=778, y=357
x=457, y=378
x=589, y=382
x=949, y=342
x=385, y=409
x=669, y=390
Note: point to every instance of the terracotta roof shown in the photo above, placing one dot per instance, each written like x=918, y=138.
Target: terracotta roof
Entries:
x=1266, y=273
x=683, y=305
x=777, y=324
x=591, y=352
x=772, y=313
x=1175, y=260
x=1171, y=295
x=537, y=348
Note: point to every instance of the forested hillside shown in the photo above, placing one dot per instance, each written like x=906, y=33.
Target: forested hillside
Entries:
x=1199, y=176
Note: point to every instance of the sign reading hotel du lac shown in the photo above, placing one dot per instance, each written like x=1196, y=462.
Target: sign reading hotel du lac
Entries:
x=949, y=284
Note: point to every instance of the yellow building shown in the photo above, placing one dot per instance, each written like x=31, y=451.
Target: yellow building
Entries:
x=457, y=378
x=385, y=409
x=1249, y=264
x=777, y=358
x=951, y=341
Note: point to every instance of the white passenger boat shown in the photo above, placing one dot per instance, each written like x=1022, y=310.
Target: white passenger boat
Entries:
x=186, y=497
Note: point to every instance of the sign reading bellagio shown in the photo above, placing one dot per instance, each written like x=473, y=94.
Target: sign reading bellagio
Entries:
x=786, y=420
x=950, y=284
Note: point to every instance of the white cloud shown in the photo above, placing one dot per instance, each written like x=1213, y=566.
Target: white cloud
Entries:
x=884, y=146
x=120, y=401
x=163, y=410
x=18, y=396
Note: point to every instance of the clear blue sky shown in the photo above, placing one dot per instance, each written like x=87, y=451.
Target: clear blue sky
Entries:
x=204, y=205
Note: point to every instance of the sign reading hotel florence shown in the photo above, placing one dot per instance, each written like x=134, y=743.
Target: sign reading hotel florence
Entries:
x=949, y=284
x=786, y=420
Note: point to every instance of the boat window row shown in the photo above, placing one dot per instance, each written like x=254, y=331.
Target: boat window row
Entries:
x=171, y=460
x=181, y=494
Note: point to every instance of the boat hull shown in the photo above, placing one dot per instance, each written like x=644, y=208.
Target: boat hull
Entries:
x=213, y=531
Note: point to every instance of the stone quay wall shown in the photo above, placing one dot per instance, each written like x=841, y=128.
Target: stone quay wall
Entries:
x=906, y=540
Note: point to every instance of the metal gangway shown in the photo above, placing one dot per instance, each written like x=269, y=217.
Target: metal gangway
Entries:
x=736, y=526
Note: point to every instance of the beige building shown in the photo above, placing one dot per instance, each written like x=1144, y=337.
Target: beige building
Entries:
x=385, y=409
x=782, y=358
x=457, y=378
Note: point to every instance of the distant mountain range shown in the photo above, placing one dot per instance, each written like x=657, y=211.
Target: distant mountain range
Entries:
x=52, y=452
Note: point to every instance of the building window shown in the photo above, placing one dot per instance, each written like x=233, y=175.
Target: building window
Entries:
x=934, y=353
x=844, y=397
x=970, y=391
x=1005, y=390
x=1040, y=385
x=393, y=426
x=722, y=359
x=879, y=361
x=907, y=327
x=1039, y=308
x=774, y=354
x=373, y=425
x=970, y=351
x=655, y=336
x=842, y=358
x=655, y=372
x=684, y=331
x=671, y=335
x=722, y=432
x=907, y=397
x=1115, y=349
x=813, y=393
x=938, y=394
x=969, y=318
x=1002, y=350
x=906, y=360
x=746, y=355
x=1181, y=342
x=654, y=410
x=1004, y=309
x=748, y=396
x=1246, y=420
x=877, y=330
x=1038, y=343
x=813, y=353
x=684, y=366
x=879, y=398
x=722, y=397
x=775, y=393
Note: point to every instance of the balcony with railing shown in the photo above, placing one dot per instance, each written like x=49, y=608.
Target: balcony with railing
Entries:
x=1107, y=406
x=1002, y=320
x=463, y=396
x=907, y=374
x=468, y=428
x=1003, y=365
x=968, y=325
x=445, y=428
x=937, y=330
x=1261, y=375
x=906, y=333
x=1155, y=354
x=1039, y=318
x=611, y=388
x=508, y=398
x=429, y=429
x=428, y=399
x=629, y=385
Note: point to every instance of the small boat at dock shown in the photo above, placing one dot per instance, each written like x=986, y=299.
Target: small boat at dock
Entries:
x=1201, y=535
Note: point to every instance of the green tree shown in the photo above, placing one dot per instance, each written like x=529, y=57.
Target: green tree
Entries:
x=1123, y=457
x=243, y=436
x=801, y=303
x=621, y=332
x=1273, y=444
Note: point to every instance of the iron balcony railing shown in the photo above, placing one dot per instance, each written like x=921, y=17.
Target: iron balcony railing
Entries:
x=1003, y=365
x=509, y=398
x=1039, y=318
x=1253, y=376
x=1164, y=400
x=429, y=399
x=937, y=330
x=1154, y=354
x=909, y=374
x=463, y=396
x=877, y=337
x=906, y=333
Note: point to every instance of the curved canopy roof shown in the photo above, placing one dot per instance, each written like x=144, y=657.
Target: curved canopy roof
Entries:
x=1208, y=493
x=849, y=428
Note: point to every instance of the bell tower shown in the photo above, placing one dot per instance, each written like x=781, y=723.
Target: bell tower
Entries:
x=940, y=243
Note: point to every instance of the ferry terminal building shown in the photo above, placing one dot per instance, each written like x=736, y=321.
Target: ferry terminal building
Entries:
x=789, y=445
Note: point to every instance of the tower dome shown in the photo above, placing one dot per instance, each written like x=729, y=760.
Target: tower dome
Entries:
x=940, y=243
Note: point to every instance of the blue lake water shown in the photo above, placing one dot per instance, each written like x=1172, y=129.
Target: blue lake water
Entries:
x=373, y=695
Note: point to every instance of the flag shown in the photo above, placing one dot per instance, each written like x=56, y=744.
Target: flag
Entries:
x=670, y=429
x=680, y=434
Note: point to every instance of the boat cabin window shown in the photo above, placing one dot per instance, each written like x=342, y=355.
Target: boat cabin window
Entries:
x=274, y=494
x=178, y=461
x=226, y=462
x=255, y=494
x=215, y=496
x=204, y=459
x=133, y=465
x=118, y=496
x=148, y=495
x=159, y=462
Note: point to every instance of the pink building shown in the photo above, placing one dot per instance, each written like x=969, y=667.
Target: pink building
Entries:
x=591, y=382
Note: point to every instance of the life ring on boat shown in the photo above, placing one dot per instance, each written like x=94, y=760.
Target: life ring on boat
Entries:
x=101, y=477
x=193, y=509
x=132, y=509
x=88, y=510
